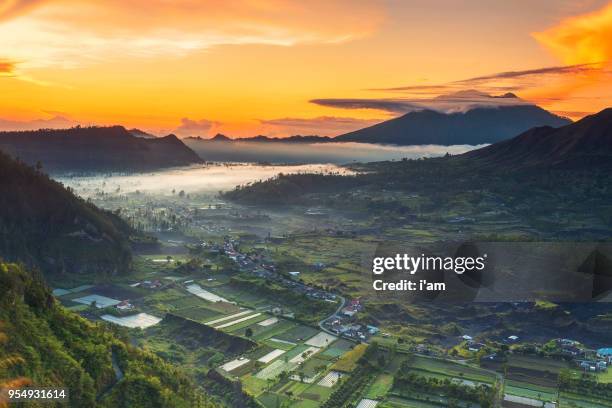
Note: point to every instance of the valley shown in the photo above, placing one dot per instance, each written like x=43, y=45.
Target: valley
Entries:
x=277, y=298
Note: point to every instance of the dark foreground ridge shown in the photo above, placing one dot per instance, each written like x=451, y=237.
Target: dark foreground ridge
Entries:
x=44, y=225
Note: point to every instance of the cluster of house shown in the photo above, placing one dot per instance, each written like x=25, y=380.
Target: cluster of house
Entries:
x=345, y=324
x=475, y=347
x=351, y=330
x=596, y=362
x=257, y=265
x=353, y=307
x=470, y=344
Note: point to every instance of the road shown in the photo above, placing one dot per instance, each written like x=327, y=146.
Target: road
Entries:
x=322, y=327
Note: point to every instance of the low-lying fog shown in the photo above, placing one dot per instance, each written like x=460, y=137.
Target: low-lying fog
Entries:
x=210, y=178
x=215, y=177
x=338, y=153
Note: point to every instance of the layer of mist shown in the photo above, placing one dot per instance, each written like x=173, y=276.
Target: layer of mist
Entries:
x=294, y=153
x=210, y=178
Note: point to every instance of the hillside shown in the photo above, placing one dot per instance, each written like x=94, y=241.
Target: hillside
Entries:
x=44, y=225
x=531, y=164
x=584, y=144
x=45, y=345
x=96, y=149
x=476, y=126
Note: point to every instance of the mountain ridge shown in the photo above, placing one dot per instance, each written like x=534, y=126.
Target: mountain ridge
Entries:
x=90, y=149
x=44, y=225
x=585, y=143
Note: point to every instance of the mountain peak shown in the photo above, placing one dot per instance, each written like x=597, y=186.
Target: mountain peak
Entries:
x=479, y=125
x=220, y=138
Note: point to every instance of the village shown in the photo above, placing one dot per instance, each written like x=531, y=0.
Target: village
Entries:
x=236, y=291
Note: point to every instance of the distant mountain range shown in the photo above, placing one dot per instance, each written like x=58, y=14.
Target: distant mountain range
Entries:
x=261, y=138
x=476, y=126
x=481, y=125
x=586, y=143
x=46, y=226
x=96, y=149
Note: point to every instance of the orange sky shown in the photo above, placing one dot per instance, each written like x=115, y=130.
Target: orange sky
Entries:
x=280, y=67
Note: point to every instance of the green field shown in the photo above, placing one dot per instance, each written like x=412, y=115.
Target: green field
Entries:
x=581, y=401
x=313, y=366
x=297, y=334
x=380, y=387
x=199, y=314
x=338, y=348
x=449, y=368
x=275, y=329
x=530, y=391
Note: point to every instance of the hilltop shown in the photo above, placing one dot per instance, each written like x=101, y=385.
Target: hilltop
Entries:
x=584, y=144
x=91, y=149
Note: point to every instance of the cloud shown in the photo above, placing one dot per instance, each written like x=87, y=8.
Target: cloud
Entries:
x=321, y=126
x=13, y=8
x=191, y=127
x=453, y=102
x=583, y=39
x=387, y=105
x=71, y=33
x=56, y=121
x=536, y=73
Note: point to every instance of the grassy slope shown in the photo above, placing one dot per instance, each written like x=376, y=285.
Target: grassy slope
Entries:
x=52, y=347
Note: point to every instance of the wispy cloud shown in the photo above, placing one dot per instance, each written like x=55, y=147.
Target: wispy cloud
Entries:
x=391, y=105
x=322, y=125
x=198, y=127
x=453, y=102
x=71, y=33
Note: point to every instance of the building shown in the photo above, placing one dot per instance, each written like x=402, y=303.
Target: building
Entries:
x=124, y=305
x=606, y=354
x=475, y=347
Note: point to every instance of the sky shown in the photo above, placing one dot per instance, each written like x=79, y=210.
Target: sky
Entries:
x=279, y=67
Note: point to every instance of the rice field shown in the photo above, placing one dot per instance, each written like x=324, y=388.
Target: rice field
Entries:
x=330, y=379
x=230, y=317
x=321, y=340
x=305, y=355
x=271, y=356
x=367, y=403
x=274, y=369
x=204, y=294
x=240, y=320
x=140, y=320
x=232, y=365
x=268, y=322
x=101, y=302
